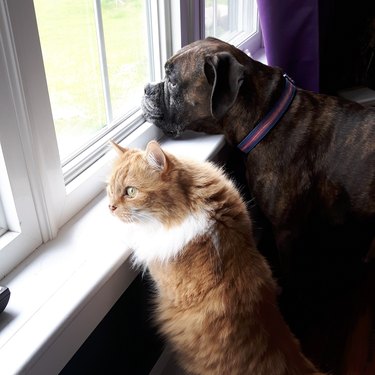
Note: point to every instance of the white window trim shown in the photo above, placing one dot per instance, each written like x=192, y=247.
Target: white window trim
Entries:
x=24, y=231
x=63, y=290
x=27, y=77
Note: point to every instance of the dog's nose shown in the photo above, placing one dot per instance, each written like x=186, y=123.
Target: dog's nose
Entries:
x=147, y=89
x=150, y=88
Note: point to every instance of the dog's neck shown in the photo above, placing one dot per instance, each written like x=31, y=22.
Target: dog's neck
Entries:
x=270, y=119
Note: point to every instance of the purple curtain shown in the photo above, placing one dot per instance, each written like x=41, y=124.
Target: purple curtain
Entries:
x=291, y=38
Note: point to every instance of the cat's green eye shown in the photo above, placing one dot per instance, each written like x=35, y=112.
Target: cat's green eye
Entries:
x=131, y=191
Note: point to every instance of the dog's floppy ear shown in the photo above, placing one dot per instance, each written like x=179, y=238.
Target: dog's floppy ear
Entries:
x=226, y=75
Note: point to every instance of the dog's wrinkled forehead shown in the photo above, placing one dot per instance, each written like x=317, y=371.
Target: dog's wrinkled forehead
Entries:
x=181, y=65
x=191, y=58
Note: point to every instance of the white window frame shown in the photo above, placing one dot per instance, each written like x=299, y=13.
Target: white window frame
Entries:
x=23, y=234
x=29, y=144
x=3, y=219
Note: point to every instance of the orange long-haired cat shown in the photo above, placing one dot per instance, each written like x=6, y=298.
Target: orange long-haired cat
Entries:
x=216, y=298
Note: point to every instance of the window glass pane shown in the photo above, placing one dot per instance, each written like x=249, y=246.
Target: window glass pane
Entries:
x=68, y=38
x=225, y=19
x=125, y=31
x=95, y=57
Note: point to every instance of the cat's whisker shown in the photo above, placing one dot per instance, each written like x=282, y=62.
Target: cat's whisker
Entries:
x=144, y=217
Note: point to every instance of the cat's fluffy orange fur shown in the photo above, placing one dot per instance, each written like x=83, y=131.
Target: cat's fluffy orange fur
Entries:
x=216, y=298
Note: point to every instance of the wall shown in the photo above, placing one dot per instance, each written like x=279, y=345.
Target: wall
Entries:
x=125, y=341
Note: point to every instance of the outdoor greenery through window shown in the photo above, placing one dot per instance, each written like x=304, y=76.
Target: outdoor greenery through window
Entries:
x=97, y=57
x=96, y=61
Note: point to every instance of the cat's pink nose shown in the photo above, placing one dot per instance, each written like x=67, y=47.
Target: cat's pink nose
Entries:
x=112, y=207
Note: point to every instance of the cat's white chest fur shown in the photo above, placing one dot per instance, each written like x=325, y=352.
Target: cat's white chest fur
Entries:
x=154, y=242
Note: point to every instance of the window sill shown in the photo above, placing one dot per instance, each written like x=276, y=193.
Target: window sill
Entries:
x=65, y=288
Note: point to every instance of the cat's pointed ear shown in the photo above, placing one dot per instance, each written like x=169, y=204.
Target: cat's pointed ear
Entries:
x=120, y=150
x=155, y=156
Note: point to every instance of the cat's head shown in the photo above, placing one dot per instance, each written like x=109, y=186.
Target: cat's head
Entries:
x=147, y=186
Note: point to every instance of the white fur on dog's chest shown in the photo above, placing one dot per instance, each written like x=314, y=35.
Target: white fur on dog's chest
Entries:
x=153, y=241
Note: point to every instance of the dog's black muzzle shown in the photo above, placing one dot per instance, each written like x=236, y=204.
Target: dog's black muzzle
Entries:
x=152, y=104
x=156, y=109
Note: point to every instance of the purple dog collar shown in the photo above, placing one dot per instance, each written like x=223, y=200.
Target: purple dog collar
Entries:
x=271, y=119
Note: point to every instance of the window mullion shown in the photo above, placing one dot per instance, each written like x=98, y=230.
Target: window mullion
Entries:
x=214, y=15
x=164, y=43
x=103, y=60
x=154, y=33
x=233, y=15
x=150, y=37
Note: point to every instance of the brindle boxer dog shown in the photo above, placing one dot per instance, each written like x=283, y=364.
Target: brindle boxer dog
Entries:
x=316, y=153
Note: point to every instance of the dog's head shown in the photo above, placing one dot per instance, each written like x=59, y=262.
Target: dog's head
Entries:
x=201, y=84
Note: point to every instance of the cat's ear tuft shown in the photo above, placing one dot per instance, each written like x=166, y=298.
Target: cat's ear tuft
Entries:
x=155, y=156
x=120, y=150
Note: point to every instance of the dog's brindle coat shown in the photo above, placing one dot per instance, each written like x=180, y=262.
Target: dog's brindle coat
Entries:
x=320, y=156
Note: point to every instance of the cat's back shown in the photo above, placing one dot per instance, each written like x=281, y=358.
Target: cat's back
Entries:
x=207, y=294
